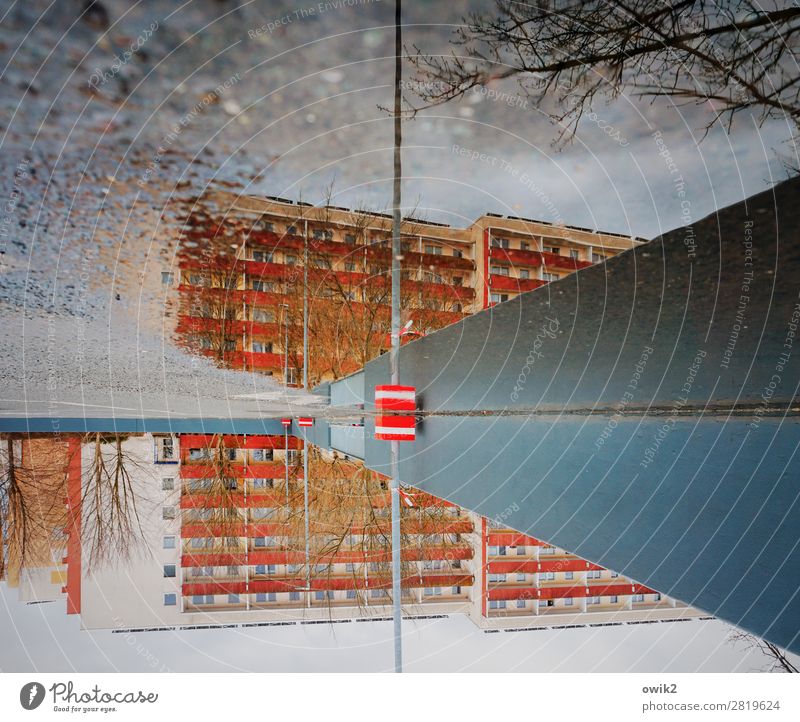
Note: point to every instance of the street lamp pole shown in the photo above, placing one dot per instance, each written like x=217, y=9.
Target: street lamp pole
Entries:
x=395, y=351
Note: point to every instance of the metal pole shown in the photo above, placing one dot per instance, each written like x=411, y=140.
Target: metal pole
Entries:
x=286, y=344
x=286, y=463
x=305, y=307
x=305, y=509
x=395, y=352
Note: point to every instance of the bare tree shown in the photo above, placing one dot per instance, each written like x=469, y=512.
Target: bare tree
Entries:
x=778, y=660
x=111, y=519
x=737, y=55
x=32, y=511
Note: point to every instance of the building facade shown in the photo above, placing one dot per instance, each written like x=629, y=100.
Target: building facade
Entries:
x=222, y=542
x=244, y=262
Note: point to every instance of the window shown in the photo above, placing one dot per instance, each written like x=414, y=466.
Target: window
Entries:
x=263, y=315
x=456, y=308
x=433, y=250
x=520, y=577
x=497, y=578
x=167, y=278
x=232, y=453
x=291, y=230
x=351, y=593
x=457, y=253
x=262, y=454
x=170, y=600
x=614, y=575
x=524, y=274
x=598, y=258
x=350, y=266
x=262, y=347
x=456, y=590
x=497, y=604
x=501, y=551
x=524, y=246
x=291, y=376
x=547, y=550
x=165, y=448
x=493, y=551
x=656, y=597
x=594, y=574
x=574, y=253
x=638, y=597
x=499, y=297
x=547, y=576
x=292, y=568
x=261, y=569
x=257, y=285
x=499, y=270
x=546, y=603
x=569, y=575
x=167, y=512
x=593, y=600
x=569, y=601
x=520, y=604
x=168, y=483
x=321, y=235
x=169, y=542
x=262, y=256
x=294, y=596
x=199, y=454
x=499, y=242
x=169, y=570
x=549, y=276
x=521, y=551
x=350, y=239
x=613, y=599
x=259, y=483
x=202, y=543
x=458, y=280
x=267, y=226
x=290, y=260
x=233, y=599
x=555, y=250
x=261, y=597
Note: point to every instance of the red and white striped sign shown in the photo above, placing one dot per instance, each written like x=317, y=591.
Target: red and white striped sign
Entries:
x=392, y=397
x=305, y=421
x=395, y=428
x=286, y=422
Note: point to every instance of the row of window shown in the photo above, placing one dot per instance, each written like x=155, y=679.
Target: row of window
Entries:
x=547, y=576
x=206, y=454
x=567, y=601
x=502, y=551
x=170, y=599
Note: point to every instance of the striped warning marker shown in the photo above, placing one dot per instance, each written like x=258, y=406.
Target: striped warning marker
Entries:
x=395, y=428
x=305, y=421
x=286, y=422
x=392, y=397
